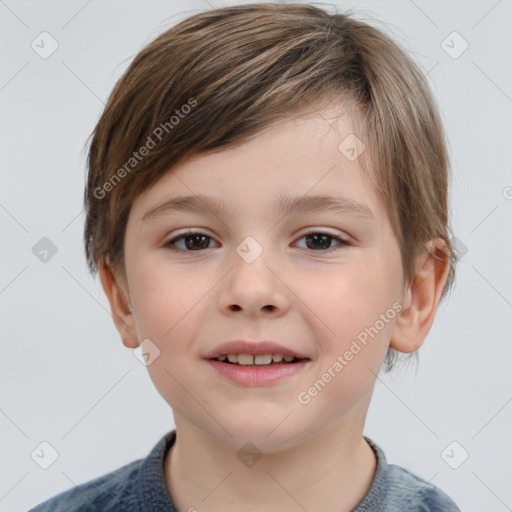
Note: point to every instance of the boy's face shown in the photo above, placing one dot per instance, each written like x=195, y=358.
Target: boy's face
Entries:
x=255, y=275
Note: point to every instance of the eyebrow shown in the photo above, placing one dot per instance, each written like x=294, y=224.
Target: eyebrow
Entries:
x=201, y=203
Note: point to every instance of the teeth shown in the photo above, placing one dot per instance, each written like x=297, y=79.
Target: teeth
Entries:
x=263, y=359
x=260, y=359
x=245, y=359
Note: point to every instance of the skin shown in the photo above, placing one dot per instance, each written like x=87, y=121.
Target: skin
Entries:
x=187, y=303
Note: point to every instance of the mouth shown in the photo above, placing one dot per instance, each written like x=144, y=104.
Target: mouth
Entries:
x=257, y=370
x=258, y=360
x=249, y=363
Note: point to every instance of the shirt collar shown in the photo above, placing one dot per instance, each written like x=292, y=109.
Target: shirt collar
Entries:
x=154, y=496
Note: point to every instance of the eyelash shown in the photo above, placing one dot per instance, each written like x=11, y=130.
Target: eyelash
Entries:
x=172, y=242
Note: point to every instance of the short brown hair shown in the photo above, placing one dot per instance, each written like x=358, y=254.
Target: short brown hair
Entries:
x=237, y=70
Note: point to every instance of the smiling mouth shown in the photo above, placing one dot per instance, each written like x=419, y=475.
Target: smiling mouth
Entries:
x=259, y=360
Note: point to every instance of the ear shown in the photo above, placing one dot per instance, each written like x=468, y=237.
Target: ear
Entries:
x=121, y=310
x=422, y=298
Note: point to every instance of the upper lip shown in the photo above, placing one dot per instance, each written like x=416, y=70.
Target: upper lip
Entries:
x=252, y=347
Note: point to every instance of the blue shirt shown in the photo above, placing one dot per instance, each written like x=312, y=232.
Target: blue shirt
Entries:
x=140, y=487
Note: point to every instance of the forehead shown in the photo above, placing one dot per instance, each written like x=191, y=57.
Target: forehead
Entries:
x=292, y=164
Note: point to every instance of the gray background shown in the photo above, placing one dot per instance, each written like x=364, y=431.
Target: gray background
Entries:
x=66, y=378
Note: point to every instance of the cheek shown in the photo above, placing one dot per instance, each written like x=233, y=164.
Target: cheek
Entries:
x=354, y=311
x=167, y=305
x=169, y=311
x=348, y=297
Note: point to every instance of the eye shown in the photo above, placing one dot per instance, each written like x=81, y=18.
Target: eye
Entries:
x=196, y=241
x=322, y=241
x=193, y=241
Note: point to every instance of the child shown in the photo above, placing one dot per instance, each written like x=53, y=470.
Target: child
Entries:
x=266, y=206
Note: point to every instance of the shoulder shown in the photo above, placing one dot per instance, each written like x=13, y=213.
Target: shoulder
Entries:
x=395, y=489
x=410, y=492
x=139, y=485
x=113, y=491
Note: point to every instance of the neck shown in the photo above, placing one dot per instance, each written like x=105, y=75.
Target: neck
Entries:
x=330, y=472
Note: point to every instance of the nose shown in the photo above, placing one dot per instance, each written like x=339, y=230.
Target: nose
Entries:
x=253, y=289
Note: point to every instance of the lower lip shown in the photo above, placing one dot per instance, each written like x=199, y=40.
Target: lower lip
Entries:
x=257, y=376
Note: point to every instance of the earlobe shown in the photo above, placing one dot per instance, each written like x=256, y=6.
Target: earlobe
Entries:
x=422, y=298
x=120, y=308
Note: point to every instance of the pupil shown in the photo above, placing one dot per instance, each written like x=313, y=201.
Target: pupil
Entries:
x=320, y=237
x=203, y=245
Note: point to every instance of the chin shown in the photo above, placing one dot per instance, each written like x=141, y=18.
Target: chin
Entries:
x=269, y=435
